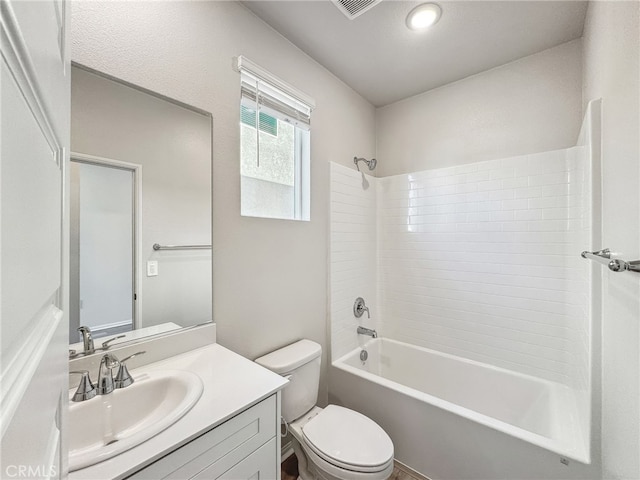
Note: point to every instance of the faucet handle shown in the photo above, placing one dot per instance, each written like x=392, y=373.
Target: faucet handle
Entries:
x=105, y=345
x=123, y=377
x=359, y=308
x=86, y=389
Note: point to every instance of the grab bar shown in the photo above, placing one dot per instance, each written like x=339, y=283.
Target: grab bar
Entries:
x=157, y=246
x=615, y=265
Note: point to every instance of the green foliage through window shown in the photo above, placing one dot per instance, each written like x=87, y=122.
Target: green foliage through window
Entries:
x=268, y=124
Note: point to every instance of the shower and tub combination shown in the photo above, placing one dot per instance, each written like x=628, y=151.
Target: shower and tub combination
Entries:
x=481, y=305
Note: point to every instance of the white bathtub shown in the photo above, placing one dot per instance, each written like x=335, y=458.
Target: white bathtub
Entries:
x=454, y=418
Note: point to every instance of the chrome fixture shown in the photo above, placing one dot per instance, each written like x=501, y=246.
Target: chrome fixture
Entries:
x=105, y=373
x=363, y=356
x=87, y=341
x=123, y=378
x=89, y=347
x=615, y=265
x=105, y=345
x=86, y=390
x=359, y=308
x=157, y=246
x=367, y=331
x=370, y=163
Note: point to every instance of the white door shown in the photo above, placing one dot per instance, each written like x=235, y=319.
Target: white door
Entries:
x=102, y=227
x=34, y=140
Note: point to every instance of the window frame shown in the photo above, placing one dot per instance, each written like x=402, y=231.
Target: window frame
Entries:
x=284, y=103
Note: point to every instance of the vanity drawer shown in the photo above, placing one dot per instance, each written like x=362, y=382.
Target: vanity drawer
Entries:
x=260, y=465
x=222, y=448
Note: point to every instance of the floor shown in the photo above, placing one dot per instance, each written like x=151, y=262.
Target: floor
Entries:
x=289, y=469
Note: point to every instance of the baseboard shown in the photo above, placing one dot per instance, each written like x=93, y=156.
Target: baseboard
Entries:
x=409, y=471
x=286, y=451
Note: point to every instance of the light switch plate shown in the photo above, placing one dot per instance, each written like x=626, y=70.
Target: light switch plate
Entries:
x=152, y=268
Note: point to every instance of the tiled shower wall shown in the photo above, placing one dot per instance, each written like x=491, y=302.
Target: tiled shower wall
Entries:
x=352, y=255
x=480, y=261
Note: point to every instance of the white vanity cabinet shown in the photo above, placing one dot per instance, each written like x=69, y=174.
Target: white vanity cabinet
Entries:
x=244, y=447
x=232, y=432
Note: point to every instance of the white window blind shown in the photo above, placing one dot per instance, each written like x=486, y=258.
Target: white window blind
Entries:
x=268, y=94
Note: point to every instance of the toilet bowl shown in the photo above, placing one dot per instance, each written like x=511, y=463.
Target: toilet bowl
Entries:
x=334, y=443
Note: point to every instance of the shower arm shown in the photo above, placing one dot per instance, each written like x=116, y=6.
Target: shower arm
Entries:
x=370, y=163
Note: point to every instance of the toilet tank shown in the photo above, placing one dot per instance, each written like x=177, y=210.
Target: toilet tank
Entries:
x=300, y=363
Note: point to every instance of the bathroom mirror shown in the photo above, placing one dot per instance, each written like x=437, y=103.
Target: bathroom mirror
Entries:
x=140, y=176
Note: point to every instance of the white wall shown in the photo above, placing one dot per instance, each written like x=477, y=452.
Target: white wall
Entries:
x=611, y=72
x=530, y=105
x=269, y=276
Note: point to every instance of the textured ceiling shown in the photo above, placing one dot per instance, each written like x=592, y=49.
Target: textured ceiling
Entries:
x=380, y=58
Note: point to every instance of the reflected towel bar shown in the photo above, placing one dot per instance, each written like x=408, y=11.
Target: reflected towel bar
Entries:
x=157, y=246
x=615, y=265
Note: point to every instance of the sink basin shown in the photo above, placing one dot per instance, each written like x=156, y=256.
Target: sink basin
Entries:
x=108, y=425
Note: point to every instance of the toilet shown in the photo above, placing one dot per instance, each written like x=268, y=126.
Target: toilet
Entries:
x=333, y=443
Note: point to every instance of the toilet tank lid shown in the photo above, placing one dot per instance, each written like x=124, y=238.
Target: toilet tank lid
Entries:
x=287, y=359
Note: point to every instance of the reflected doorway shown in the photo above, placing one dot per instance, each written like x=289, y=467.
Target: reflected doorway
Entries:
x=103, y=219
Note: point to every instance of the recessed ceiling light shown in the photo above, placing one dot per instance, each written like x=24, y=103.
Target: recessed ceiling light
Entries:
x=423, y=16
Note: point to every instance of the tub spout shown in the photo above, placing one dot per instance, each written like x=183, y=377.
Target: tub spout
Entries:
x=367, y=331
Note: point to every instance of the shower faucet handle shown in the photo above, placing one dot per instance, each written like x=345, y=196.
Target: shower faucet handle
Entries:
x=359, y=308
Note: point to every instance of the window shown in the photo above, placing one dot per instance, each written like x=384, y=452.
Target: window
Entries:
x=275, y=124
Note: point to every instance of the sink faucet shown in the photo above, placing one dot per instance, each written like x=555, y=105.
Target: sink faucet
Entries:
x=367, y=331
x=87, y=340
x=105, y=373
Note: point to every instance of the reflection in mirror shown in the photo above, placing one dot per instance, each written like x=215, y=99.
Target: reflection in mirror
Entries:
x=140, y=175
x=102, y=245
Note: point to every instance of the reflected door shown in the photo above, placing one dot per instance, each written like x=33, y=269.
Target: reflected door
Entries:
x=102, y=250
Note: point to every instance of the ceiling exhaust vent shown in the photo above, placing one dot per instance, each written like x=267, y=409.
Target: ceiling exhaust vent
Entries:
x=354, y=8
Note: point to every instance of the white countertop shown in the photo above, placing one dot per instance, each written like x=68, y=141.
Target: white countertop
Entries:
x=231, y=384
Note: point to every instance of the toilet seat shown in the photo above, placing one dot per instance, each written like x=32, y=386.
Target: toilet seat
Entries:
x=348, y=440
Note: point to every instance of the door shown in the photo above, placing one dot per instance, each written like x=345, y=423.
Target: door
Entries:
x=34, y=136
x=102, y=219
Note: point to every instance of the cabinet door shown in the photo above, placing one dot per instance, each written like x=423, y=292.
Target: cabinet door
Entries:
x=260, y=465
x=219, y=449
x=34, y=113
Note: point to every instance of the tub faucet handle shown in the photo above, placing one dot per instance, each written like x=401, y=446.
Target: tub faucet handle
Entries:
x=359, y=308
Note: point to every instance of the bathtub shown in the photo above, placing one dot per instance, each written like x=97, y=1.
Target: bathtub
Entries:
x=455, y=418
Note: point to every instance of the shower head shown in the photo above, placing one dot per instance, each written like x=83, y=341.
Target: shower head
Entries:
x=370, y=163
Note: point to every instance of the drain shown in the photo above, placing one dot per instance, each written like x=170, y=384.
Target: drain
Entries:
x=364, y=355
